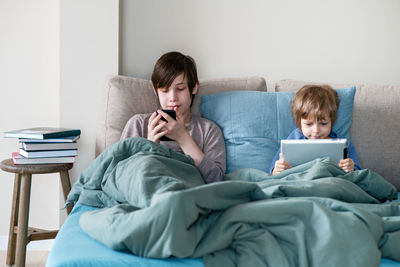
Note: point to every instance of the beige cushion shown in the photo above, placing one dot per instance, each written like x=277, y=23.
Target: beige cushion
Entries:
x=126, y=96
x=375, y=129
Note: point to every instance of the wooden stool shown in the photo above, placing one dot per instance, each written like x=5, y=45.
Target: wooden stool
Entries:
x=20, y=234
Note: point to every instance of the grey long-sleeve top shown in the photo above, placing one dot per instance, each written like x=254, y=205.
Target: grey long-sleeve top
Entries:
x=205, y=133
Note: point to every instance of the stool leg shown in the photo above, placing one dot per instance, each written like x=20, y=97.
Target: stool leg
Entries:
x=12, y=236
x=23, y=216
x=66, y=187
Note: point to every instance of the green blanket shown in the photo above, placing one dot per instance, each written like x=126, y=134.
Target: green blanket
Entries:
x=155, y=204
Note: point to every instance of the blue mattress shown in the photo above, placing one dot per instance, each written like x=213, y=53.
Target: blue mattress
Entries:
x=72, y=247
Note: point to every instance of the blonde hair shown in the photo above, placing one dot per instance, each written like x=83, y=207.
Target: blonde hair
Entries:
x=315, y=102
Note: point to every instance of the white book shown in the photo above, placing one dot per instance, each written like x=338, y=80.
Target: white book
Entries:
x=68, y=139
x=18, y=159
x=48, y=153
x=28, y=146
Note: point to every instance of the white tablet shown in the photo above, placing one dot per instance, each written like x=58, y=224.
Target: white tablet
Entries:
x=297, y=151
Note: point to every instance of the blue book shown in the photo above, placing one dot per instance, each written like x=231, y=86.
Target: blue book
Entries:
x=42, y=133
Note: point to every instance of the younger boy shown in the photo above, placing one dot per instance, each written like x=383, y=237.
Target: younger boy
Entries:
x=314, y=110
x=175, y=83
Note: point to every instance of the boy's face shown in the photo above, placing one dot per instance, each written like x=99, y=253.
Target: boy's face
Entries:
x=312, y=128
x=177, y=95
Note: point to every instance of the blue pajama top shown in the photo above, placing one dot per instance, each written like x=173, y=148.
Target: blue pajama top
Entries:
x=297, y=134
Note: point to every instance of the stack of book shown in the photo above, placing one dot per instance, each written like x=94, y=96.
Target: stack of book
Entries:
x=45, y=145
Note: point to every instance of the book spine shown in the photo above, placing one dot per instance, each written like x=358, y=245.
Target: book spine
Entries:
x=62, y=134
x=47, y=146
x=48, y=153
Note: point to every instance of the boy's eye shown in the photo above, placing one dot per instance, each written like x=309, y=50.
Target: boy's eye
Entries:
x=181, y=88
x=324, y=123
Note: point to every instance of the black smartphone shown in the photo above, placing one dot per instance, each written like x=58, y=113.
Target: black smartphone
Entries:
x=172, y=114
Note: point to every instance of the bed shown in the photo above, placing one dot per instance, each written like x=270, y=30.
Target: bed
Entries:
x=125, y=96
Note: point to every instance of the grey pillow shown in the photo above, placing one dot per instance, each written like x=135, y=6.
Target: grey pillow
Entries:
x=126, y=96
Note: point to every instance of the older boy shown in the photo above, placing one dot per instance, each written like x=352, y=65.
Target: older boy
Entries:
x=314, y=110
x=175, y=83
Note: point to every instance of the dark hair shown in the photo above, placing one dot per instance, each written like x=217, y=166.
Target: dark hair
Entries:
x=315, y=101
x=171, y=65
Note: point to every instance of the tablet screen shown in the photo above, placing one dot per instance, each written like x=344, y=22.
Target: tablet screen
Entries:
x=300, y=151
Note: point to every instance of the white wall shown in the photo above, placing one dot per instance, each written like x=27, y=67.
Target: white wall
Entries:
x=354, y=41
x=88, y=56
x=29, y=76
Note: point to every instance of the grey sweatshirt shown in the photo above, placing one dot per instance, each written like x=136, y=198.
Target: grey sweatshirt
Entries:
x=205, y=133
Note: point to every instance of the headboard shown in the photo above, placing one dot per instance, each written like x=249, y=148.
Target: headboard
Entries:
x=126, y=96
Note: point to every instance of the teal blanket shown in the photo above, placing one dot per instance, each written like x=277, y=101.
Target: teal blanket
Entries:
x=155, y=204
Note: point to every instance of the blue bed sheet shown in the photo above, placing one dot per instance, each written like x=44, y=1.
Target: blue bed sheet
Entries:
x=73, y=247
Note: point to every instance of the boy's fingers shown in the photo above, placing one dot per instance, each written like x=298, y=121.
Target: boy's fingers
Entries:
x=153, y=115
x=159, y=127
x=282, y=165
x=285, y=163
x=155, y=119
x=160, y=134
x=178, y=114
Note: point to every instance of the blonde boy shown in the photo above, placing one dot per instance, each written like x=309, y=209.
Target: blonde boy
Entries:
x=314, y=109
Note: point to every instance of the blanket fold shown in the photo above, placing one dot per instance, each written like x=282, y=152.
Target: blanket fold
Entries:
x=155, y=204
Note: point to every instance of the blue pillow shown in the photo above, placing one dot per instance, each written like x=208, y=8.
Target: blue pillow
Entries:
x=253, y=123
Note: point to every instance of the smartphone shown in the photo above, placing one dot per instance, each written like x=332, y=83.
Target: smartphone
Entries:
x=172, y=114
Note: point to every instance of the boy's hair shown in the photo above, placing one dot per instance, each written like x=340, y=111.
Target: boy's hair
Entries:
x=315, y=102
x=169, y=66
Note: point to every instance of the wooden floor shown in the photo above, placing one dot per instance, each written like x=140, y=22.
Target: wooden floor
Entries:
x=33, y=258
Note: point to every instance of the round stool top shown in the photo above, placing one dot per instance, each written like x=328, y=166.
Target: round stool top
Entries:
x=8, y=166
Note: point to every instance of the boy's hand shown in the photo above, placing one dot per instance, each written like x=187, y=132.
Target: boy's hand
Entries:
x=155, y=127
x=347, y=164
x=281, y=165
x=175, y=128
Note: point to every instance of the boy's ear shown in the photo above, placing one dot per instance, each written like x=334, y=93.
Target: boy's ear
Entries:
x=195, y=89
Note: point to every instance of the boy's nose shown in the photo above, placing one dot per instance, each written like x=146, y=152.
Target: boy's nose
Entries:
x=172, y=95
x=316, y=129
